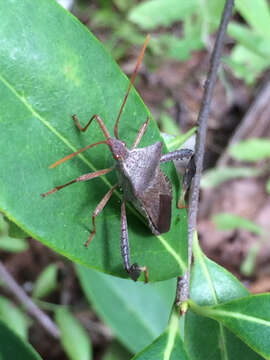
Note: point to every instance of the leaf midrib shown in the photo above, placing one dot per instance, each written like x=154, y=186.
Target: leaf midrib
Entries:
x=239, y=316
x=87, y=162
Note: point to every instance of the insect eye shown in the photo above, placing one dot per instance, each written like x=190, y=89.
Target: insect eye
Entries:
x=117, y=156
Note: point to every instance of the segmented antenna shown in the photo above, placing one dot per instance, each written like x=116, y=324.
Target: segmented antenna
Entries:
x=130, y=85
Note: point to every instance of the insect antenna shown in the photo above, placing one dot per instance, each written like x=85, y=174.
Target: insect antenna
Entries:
x=130, y=85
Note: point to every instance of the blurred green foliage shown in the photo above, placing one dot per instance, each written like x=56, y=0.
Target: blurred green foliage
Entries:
x=180, y=27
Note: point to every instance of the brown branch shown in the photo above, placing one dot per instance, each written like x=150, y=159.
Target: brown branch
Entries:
x=183, y=285
x=30, y=306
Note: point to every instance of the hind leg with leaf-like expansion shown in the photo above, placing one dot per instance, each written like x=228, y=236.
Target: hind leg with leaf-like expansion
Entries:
x=84, y=177
x=189, y=172
x=98, y=210
x=133, y=270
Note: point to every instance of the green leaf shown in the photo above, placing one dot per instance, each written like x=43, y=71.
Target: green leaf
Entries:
x=168, y=346
x=15, y=231
x=251, y=150
x=46, y=282
x=256, y=13
x=211, y=283
x=14, y=347
x=8, y=243
x=253, y=41
x=136, y=313
x=246, y=64
x=175, y=48
x=74, y=338
x=154, y=13
x=248, y=264
x=168, y=124
x=268, y=186
x=14, y=317
x=219, y=175
x=64, y=70
x=116, y=352
x=205, y=338
x=178, y=141
x=11, y=243
x=3, y=225
x=248, y=318
x=227, y=221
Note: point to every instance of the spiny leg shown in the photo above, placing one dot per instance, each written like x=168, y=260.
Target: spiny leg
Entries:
x=98, y=210
x=141, y=133
x=99, y=120
x=134, y=270
x=84, y=177
x=189, y=172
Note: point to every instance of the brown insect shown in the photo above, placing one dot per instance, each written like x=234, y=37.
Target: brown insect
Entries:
x=139, y=175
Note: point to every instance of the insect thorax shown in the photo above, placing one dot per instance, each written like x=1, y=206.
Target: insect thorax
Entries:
x=139, y=175
x=138, y=170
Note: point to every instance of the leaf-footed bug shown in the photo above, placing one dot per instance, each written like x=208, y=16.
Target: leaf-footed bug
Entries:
x=139, y=175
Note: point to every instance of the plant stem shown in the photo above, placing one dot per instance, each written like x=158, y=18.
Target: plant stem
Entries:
x=183, y=284
x=31, y=307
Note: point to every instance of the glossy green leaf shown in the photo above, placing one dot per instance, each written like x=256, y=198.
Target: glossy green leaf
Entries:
x=158, y=349
x=46, y=282
x=248, y=318
x=251, y=150
x=51, y=67
x=136, y=312
x=228, y=221
x=154, y=13
x=13, y=346
x=168, y=346
x=15, y=318
x=205, y=338
x=74, y=338
x=14, y=231
x=219, y=175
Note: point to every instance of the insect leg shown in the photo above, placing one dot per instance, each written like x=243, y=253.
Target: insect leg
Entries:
x=98, y=210
x=84, y=177
x=177, y=155
x=134, y=270
x=189, y=172
x=77, y=152
x=141, y=133
x=100, y=123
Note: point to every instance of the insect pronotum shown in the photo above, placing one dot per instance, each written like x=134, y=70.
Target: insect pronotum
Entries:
x=139, y=175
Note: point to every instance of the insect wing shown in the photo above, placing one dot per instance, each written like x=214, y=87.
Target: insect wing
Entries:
x=157, y=202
